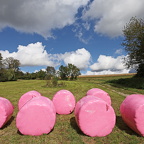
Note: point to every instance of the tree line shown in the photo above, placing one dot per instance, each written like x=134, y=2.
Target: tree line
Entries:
x=10, y=71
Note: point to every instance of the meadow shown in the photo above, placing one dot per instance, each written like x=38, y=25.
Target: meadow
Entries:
x=66, y=130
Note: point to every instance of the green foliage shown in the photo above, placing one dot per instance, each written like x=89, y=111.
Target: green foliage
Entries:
x=134, y=43
x=25, y=76
x=69, y=72
x=73, y=71
x=11, y=63
x=41, y=74
x=51, y=77
x=53, y=82
x=63, y=72
x=9, y=69
x=7, y=75
x=51, y=72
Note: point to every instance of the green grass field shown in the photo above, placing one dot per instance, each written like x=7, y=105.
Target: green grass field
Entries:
x=66, y=130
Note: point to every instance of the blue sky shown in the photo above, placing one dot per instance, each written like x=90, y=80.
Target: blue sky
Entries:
x=85, y=33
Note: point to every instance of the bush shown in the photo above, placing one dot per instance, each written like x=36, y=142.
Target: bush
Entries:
x=7, y=75
x=53, y=82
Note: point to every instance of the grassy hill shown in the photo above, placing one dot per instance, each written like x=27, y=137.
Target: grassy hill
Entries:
x=66, y=130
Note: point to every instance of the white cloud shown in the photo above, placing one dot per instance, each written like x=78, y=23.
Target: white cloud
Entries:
x=111, y=15
x=35, y=16
x=80, y=58
x=34, y=54
x=105, y=72
x=86, y=25
x=118, y=51
x=105, y=63
x=31, y=55
x=40, y=70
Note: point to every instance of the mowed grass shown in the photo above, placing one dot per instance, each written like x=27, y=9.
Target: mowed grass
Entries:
x=66, y=130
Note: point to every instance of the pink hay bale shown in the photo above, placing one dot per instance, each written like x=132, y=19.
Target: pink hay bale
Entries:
x=26, y=97
x=132, y=112
x=36, y=117
x=94, y=116
x=100, y=93
x=6, y=111
x=64, y=102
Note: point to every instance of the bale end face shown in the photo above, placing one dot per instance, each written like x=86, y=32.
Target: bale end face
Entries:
x=94, y=116
x=37, y=117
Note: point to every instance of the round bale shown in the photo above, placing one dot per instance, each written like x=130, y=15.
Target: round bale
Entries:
x=36, y=117
x=27, y=97
x=100, y=94
x=94, y=116
x=132, y=112
x=6, y=111
x=64, y=102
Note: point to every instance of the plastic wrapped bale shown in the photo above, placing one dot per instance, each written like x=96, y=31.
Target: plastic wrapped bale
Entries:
x=64, y=102
x=132, y=112
x=100, y=93
x=36, y=117
x=26, y=97
x=94, y=116
x=6, y=111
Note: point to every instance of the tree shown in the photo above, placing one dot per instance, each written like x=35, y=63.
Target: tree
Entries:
x=41, y=74
x=51, y=72
x=63, y=72
x=73, y=71
x=70, y=71
x=11, y=63
x=134, y=44
x=7, y=75
x=1, y=65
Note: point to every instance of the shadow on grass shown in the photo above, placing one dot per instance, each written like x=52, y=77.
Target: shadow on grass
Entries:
x=75, y=126
x=122, y=126
x=119, y=122
x=18, y=132
x=133, y=82
x=8, y=122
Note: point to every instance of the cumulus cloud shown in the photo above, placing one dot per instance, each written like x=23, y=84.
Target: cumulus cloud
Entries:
x=34, y=54
x=80, y=58
x=111, y=15
x=35, y=16
x=108, y=63
x=31, y=55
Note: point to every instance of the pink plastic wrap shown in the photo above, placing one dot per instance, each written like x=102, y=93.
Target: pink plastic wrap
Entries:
x=6, y=111
x=64, y=102
x=132, y=112
x=26, y=97
x=36, y=117
x=100, y=94
x=94, y=116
